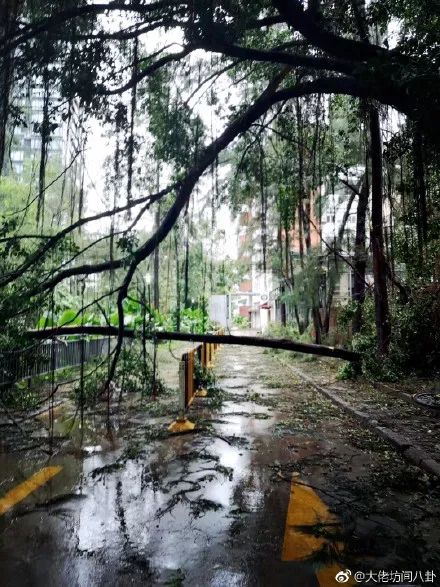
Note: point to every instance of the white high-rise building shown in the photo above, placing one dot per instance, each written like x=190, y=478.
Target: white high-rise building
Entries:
x=66, y=134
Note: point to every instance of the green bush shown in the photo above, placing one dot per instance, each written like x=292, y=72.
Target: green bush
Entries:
x=347, y=371
x=277, y=330
x=415, y=342
x=203, y=377
x=241, y=321
x=374, y=365
x=132, y=375
x=416, y=333
x=21, y=396
x=195, y=320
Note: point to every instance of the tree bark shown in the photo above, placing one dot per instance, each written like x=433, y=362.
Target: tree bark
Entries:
x=156, y=259
x=186, y=264
x=382, y=314
x=273, y=343
x=360, y=254
x=283, y=313
x=9, y=13
x=420, y=193
x=176, y=253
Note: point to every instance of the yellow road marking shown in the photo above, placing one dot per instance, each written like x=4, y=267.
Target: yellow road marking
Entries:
x=307, y=509
x=18, y=493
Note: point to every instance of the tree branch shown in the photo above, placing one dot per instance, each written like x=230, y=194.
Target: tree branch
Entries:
x=276, y=56
x=339, y=85
x=135, y=79
x=52, y=241
x=303, y=22
x=274, y=343
x=46, y=24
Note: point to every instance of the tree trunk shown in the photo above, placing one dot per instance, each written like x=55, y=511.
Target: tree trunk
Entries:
x=382, y=314
x=9, y=13
x=186, y=266
x=156, y=260
x=420, y=193
x=176, y=252
x=317, y=325
x=257, y=341
x=283, y=313
x=302, y=323
x=360, y=254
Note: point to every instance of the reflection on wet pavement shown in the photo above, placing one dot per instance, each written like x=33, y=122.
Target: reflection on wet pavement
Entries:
x=267, y=492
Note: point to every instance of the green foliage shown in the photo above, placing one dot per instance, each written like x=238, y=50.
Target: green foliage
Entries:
x=87, y=393
x=416, y=340
x=346, y=314
x=195, y=320
x=21, y=396
x=176, y=579
x=415, y=345
x=347, y=371
x=69, y=317
x=277, y=330
x=177, y=131
x=374, y=365
x=204, y=377
x=133, y=375
x=88, y=63
x=308, y=280
x=241, y=321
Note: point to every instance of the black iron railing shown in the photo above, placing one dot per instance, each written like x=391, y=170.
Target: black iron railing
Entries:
x=48, y=356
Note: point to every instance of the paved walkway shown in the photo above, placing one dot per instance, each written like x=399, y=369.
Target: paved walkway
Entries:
x=278, y=487
x=388, y=408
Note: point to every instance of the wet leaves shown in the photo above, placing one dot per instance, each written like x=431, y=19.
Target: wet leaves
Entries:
x=216, y=397
x=289, y=427
x=54, y=502
x=260, y=399
x=161, y=407
x=200, y=506
x=255, y=415
x=132, y=451
x=366, y=439
x=100, y=472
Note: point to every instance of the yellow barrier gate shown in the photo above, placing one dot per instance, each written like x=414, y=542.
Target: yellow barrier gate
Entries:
x=187, y=384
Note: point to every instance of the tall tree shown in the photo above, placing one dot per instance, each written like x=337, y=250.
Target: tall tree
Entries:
x=382, y=312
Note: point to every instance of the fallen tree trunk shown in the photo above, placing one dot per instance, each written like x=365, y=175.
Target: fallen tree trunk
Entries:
x=258, y=341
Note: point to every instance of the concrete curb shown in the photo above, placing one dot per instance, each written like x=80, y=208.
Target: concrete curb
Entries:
x=415, y=455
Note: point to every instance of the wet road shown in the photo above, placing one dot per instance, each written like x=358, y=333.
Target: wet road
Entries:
x=278, y=487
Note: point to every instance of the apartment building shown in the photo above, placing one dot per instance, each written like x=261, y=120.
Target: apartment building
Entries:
x=66, y=133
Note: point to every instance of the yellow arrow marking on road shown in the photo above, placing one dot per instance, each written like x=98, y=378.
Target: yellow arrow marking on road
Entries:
x=307, y=509
x=19, y=493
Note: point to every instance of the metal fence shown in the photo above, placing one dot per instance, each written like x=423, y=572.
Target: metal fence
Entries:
x=49, y=356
